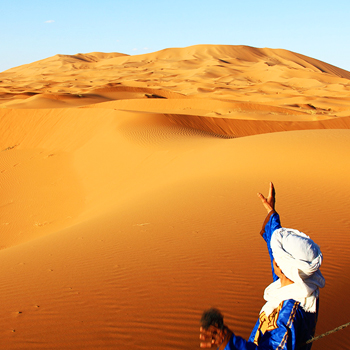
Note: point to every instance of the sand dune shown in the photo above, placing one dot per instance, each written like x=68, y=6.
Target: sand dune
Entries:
x=128, y=192
x=278, y=77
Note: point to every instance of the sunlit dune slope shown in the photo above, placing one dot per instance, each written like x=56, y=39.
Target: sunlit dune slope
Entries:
x=128, y=192
x=103, y=210
x=236, y=73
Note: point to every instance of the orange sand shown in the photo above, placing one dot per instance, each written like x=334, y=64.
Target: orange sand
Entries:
x=128, y=192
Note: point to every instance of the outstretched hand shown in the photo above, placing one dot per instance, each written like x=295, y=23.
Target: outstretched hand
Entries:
x=212, y=336
x=269, y=202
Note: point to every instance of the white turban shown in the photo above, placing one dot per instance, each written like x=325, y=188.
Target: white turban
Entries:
x=298, y=256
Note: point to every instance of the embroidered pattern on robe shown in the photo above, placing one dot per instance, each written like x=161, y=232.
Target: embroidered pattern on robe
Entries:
x=267, y=323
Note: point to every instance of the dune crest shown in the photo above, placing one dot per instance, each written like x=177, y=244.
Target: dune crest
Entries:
x=273, y=77
x=128, y=192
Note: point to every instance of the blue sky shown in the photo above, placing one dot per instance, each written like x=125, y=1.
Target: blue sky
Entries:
x=36, y=29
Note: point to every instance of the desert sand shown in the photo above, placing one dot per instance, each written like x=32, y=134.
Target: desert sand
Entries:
x=128, y=192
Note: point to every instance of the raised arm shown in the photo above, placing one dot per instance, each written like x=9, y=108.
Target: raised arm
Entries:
x=271, y=222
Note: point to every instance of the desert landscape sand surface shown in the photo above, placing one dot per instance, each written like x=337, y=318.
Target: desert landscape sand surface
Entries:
x=128, y=192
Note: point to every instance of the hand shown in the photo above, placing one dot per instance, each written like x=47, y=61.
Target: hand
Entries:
x=212, y=336
x=269, y=202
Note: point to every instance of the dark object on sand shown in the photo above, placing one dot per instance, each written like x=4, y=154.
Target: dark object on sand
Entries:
x=212, y=317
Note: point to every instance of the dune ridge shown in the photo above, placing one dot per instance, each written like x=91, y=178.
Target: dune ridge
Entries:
x=128, y=192
x=269, y=76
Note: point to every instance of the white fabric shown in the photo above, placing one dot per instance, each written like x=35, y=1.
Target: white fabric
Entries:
x=274, y=294
x=299, y=258
x=296, y=254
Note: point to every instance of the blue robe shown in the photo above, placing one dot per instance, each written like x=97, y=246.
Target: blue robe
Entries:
x=288, y=327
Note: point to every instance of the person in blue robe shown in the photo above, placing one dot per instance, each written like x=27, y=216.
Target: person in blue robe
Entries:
x=288, y=318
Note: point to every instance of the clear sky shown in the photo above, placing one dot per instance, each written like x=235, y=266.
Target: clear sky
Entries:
x=31, y=30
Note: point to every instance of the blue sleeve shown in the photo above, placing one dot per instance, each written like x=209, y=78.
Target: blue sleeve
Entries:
x=271, y=223
x=238, y=343
x=234, y=342
x=271, y=340
x=283, y=336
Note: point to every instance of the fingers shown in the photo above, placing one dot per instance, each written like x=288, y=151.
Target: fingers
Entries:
x=265, y=203
x=272, y=194
x=271, y=191
x=205, y=345
x=261, y=197
x=269, y=202
x=207, y=336
x=211, y=336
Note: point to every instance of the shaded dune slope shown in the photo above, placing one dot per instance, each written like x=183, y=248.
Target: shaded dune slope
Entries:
x=239, y=128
